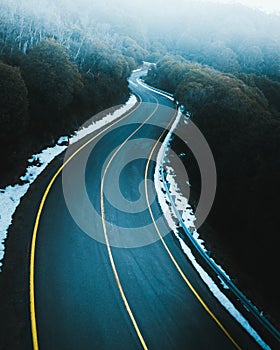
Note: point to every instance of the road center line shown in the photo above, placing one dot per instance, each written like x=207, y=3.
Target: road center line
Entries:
x=116, y=275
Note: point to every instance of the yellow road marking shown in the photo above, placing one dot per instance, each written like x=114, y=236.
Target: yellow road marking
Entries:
x=127, y=306
x=36, y=225
x=172, y=257
x=35, y=231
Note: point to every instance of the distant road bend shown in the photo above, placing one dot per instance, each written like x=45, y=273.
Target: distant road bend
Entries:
x=115, y=294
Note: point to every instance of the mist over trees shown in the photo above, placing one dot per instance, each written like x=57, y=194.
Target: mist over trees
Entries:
x=230, y=38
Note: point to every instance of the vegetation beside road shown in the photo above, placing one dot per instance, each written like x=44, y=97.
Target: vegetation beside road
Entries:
x=241, y=122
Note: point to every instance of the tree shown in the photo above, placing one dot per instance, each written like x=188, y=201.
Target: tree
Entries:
x=13, y=102
x=52, y=81
x=50, y=75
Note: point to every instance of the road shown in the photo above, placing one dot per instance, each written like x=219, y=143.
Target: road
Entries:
x=118, y=286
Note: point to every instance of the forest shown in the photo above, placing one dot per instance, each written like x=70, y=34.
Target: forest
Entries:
x=240, y=117
x=60, y=65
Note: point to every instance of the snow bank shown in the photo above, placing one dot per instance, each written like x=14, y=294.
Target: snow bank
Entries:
x=158, y=91
x=182, y=205
x=106, y=120
x=11, y=195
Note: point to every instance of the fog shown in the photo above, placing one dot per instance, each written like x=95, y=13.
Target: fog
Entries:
x=269, y=6
x=261, y=4
x=176, y=5
x=202, y=31
x=145, y=13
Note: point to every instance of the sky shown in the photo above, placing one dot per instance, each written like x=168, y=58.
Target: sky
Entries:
x=267, y=5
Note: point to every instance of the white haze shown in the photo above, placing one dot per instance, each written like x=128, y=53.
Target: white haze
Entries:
x=265, y=5
x=162, y=5
x=178, y=16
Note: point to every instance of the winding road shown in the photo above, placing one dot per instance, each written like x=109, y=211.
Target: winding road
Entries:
x=105, y=270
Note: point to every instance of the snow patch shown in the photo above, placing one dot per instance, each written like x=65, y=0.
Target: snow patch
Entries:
x=160, y=92
x=104, y=121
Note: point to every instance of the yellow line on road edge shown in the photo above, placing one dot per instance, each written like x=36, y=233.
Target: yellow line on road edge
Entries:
x=172, y=257
x=127, y=306
x=36, y=225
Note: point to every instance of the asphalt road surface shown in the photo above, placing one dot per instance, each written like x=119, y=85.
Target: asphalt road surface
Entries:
x=106, y=276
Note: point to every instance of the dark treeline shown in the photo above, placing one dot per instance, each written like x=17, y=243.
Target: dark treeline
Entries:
x=240, y=118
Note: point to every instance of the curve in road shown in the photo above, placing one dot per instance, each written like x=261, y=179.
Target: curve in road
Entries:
x=87, y=294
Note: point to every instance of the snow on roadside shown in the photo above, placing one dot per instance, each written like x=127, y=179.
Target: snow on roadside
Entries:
x=158, y=91
x=188, y=217
x=10, y=196
x=106, y=120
